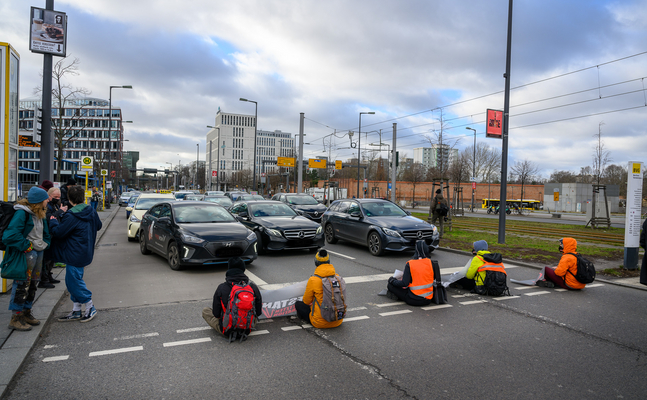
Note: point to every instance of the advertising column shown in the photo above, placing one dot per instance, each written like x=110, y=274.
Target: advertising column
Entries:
x=633, y=216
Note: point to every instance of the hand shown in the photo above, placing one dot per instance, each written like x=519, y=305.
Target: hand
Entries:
x=63, y=208
x=52, y=217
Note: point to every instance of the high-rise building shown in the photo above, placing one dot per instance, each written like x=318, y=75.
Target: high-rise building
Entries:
x=430, y=157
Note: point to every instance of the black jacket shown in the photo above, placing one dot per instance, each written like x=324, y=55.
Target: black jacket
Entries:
x=221, y=297
x=75, y=236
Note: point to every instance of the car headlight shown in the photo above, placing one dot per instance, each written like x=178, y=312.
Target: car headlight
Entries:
x=133, y=218
x=252, y=236
x=273, y=232
x=391, y=232
x=319, y=229
x=191, y=239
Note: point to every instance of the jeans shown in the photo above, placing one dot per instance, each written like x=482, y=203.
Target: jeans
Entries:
x=94, y=204
x=23, y=293
x=79, y=293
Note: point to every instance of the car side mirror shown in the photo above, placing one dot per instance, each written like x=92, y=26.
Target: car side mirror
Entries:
x=356, y=214
x=166, y=220
x=243, y=215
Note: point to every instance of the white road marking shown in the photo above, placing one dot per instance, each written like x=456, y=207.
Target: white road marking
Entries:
x=456, y=296
x=537, y=293
x=355, y=309
x=506, y=298
x=386, y=314
x=275, y=286
x=595, y=285
x=356, y=318
x=367, y=278
x=467, y=303
x=527, y=287
x=561, y=290
x=57, y=358
x=183, y=342
x=304, y=326
x=395, y=303
x=143, y=335
x=50, y=346
x=116, y=351
x=200, y=328
x=255, y=278
x=341, y=255
x=436, y=307
x=291, y=328
x=254, y=333
x=265, y=321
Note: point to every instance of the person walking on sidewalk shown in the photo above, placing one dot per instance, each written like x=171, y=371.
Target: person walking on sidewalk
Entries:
x=436, y=211
x=75, y=237
x=26, y=238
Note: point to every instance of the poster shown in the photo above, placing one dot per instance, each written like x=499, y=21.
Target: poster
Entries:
x=280, y=302
x=48, y=32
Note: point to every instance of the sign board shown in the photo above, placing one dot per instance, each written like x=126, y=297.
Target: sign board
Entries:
x=263, y=174
x=88, y=194
x=48, y=32
x=104, y=172
x=633, y=218
x=27, y=141
x=494, y=126
x=87, y=163
x=338, y=164
x=473, y=185
x=555, y=196
x=285, y=161
x=316, y=163
x=214, y=173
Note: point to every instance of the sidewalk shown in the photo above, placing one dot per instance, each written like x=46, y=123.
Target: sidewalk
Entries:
x=14, y=346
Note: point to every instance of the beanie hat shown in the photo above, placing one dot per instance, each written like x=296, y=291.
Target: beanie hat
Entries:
x=439, y=191
x=480, y=245
x=322, y=257
x=36, y=195
x=236, y=262
x=70, y=181
x=47, y=185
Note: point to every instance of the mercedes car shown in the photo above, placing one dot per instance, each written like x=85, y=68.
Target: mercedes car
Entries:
x=303, y=204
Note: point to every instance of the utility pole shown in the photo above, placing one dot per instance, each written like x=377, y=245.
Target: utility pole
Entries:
x=300, y=161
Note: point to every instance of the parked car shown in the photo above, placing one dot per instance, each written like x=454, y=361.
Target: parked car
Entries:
x=123, y=199
x=214, y=193
x=143, y=203
x=131, y=203
x=194, y=197
x=195, y=233
x=180, y=195
x=277, y=226
x=250, y=197
x=303, y=204
x=378, y=224
x=235, y=195
x=222, y=200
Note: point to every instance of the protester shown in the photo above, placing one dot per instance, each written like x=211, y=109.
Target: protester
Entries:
x=564, y=275
x=235, y=274
x=46, y=185
x=75, y=236
x=310, y=308
x=64, y=189
x=435, y=209
x=47, y=281
x=26, y=237
x=472, y=275
x=96, y=198
x=643, y=244
x=416, y=287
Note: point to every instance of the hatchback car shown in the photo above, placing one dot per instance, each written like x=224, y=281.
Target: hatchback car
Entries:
x=379, y=224
x=143, y=203
x=123, y=199
x=131, y=203
x=222, y=200
x=195, y=233
x=277, y=226
x=303, y=204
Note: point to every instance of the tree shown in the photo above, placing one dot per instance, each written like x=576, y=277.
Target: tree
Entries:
x=616, y=175
x=563, y=177
x=415, y=175
x=524, y=171
x=601, y=156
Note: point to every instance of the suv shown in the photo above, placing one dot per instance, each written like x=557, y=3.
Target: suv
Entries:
x=303, y=204
x=379, y=224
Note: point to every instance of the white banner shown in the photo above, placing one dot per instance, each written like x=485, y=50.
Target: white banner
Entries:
x=634, y=202
x=280, y=302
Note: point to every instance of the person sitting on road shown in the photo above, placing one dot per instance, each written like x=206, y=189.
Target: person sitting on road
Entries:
x=235, y=274
x=469, y=282
x=310, y=308
x=416, y=287
x=564, y=275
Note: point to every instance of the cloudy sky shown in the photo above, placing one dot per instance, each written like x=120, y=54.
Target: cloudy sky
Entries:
x=578, y=66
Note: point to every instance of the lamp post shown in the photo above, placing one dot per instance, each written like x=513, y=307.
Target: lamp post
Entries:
x=473, y=166
x=110, y=127
x=121, y=151
x=359, y=145
x=217, y=158
x=167, y=174
x=197, y=160
x=255, y=125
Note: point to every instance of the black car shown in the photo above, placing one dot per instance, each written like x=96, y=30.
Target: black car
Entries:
x=379, y=224
x=303, y=204
x=195, y=233
x=222, y=200
x=277, y=226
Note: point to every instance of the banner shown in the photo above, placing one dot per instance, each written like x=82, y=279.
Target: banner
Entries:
x=280, y=302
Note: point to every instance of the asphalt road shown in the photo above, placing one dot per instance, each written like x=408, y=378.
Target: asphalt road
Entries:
x=149, y=340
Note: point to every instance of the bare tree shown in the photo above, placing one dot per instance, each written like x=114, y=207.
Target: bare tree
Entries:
x=601, y=156
x=563, y=177
x=616, y=175
x=415, y=175
x=524, y=171
x=586, y=175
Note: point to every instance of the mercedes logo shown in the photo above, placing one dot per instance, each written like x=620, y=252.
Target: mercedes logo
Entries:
x=419, y=235
x=301, y=235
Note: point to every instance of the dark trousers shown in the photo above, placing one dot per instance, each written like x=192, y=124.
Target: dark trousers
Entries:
x=550, y=275
x=303, y=310
x=404, y=295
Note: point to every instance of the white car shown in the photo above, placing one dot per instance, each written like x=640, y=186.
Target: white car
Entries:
x=143, y=204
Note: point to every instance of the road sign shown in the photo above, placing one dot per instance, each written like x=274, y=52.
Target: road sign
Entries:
x=473, y=179
x=263, y=174
x=316, y=163
x=338, y=164
x=87, y=163
x=104, y=172
x=113, y=173
x=285, y=161
x=214, y=173
x=494, y=126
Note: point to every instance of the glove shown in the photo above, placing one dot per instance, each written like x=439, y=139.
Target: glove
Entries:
x=392, y=279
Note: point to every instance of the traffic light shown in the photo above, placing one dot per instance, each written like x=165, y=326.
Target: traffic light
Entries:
x=397, y=160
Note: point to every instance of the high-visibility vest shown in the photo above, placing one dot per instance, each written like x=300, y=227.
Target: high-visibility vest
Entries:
x=490, y=266
x=422, y=278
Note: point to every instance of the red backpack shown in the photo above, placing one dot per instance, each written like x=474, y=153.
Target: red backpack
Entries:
x=239, y=314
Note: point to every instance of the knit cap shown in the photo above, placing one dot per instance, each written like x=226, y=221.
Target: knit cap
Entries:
x=36, y=195
x=322, y=257
x=480, y=245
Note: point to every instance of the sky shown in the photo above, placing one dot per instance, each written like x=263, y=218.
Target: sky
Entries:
x=577, y=69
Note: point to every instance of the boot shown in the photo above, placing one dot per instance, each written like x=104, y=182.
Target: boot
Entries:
x=45, y=284
x=17, y=323
x=52, y=279
x=28, y=317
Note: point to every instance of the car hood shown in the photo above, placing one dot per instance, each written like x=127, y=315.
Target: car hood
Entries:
x=217, y=230
x=310, y=208
x=296, y=222
x=399, y=223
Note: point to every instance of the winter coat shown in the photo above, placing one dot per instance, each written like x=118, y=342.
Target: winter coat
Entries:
x=75, y=235
x=426, y=277
x=221, y=296
x=314, y=290
x=439, y=198
x=477, y=262
x=15, y=238
x=567, y=267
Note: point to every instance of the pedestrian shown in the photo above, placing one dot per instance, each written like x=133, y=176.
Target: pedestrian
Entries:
x=47, y=280
x=437, y=214
x=416, y=288
x=564, y=275
x=46, y=185
x=96, y=198
x=76, y=235
x=643, y=244
x=26, y=238
x=310, y=308
x=64, y=189
x=235, y=274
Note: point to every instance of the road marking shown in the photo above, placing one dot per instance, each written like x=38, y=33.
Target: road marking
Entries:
x=396, y=303
x=265, y=321
x=506, y=298
x=50, y=346
x=201, y=328
x=537, y=293
x=341, y=255
x=255, y=278
x=57, y=358
x=527, y=287
x=356, y=318
x=116, y=351
x=183, y=342
x=456, y=296
x=436, y=307
x=143, y=335
x=367, y=278
x=355, y=309
x=255, y=333
x=386, y=314
x=291, y=328
x=561, y=290
x=595, y=285
x=467, y=303
x=306, y=326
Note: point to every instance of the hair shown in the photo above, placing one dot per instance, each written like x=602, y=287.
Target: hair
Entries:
x=76, y=194
x=36, y=208
x=53, y=190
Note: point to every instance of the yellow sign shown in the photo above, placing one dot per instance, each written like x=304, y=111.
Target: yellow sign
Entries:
x=88, y=194
x=165, y=191
x=555, y=196
x=316, y=163
x=636, y=168
x=338, y=164
x=285, y=161
x=104, y=172
x=87, y=162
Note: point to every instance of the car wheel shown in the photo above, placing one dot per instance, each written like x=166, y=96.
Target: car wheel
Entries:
x=173, y=257
x=259, y=244
x=142, y=244
x=330, y=234
x=375, y=244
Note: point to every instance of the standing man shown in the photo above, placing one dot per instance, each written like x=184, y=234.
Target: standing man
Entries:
x=64, y=189
x=435, y=210
x=54, y=208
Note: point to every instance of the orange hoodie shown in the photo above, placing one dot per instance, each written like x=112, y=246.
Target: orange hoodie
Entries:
x=567, y=267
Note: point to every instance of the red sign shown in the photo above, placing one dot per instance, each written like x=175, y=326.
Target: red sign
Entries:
x=494, y=126
x=214, y=173
x=113, y=174
x=473, y=185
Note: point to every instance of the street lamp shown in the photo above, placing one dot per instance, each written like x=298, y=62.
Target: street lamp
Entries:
x=473, y=167
x=218, y=160
x=110, y=126
x=359, y=145
x=167, y=174
x=255, y=125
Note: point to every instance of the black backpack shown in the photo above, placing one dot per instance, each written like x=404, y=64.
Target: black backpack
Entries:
x=440, y=294
x=443, y=210
x=495, y=282
x=6, y=214
x=585, y=269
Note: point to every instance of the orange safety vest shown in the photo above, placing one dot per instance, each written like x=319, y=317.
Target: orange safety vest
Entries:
x=422, y=278
x=489, y=266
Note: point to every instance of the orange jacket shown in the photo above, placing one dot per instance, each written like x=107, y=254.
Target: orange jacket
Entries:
x=422, y=278
x=314, y=289
x=567, y=267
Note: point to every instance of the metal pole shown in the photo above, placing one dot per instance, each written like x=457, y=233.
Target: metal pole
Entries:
x=359, y=149
x=218, y=161
x=210, y=173
x=197, y=158
x=46, y=142
x=300, y=161
x=109, y=142
x=255, y=127
x=394, y=169
x=473, y=166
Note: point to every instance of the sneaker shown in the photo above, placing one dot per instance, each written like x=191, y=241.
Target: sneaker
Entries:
x=545, y=283
x=89, y=314
x=28, y=317
x=46, y=285
x=73, y=316
x=18, y=323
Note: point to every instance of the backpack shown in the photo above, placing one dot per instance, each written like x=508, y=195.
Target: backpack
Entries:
x=443, y=210
x=6, y=214
x=333, y=303
x=585, y=269
x=239, y=314
x=495, y=282
x=440, y=293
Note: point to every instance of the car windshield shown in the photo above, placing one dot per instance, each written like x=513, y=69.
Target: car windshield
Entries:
x=146, y=203
x=193, y=197
x=251, y=197
x=222, y=200
x=132, y=199
x=201, y=213
x=383, y=209
x=301, y=200
x=271, y=210
x=126, y=195
x=180, y=196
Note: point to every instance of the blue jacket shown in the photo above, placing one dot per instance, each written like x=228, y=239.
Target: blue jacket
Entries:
x=75, y=235
x=14, y=237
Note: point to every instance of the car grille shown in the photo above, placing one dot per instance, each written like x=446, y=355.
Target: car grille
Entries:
x=315, y=215
x=300, y=234
x=221, y=249
x=418, y=234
